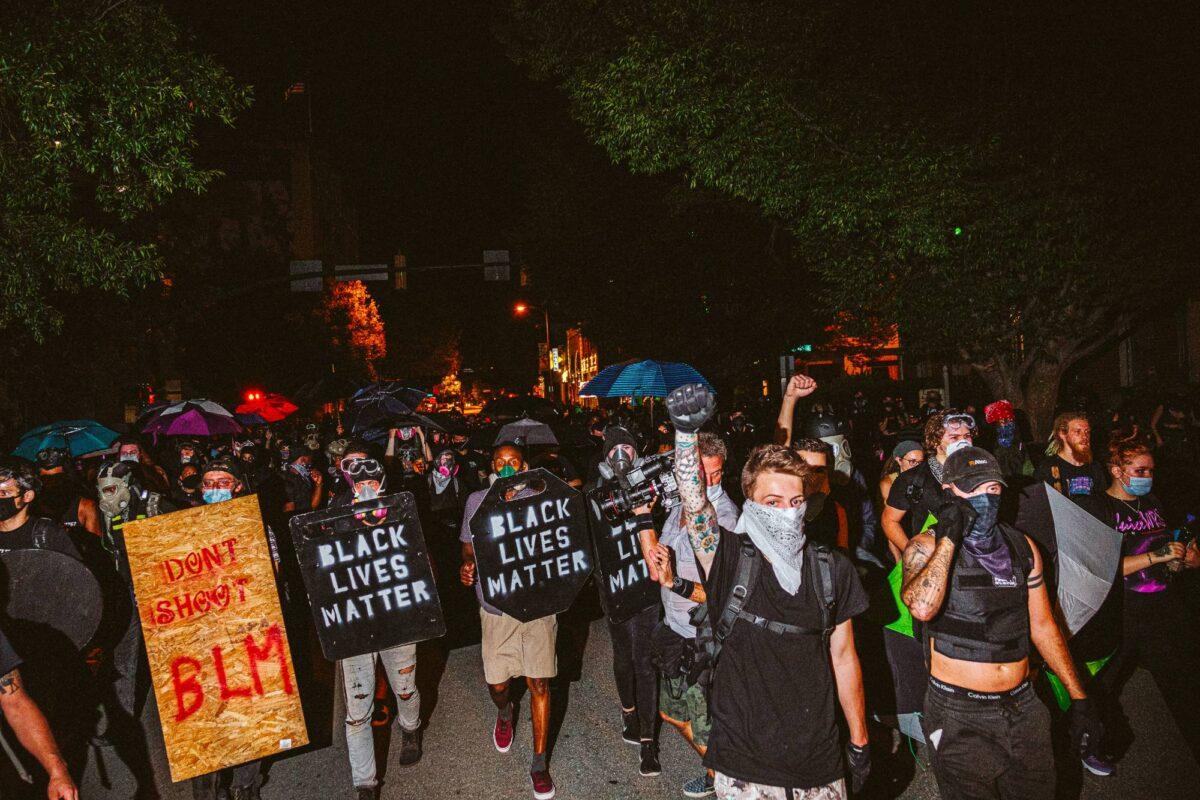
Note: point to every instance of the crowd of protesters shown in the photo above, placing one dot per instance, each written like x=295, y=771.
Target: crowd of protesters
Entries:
x=788, y=524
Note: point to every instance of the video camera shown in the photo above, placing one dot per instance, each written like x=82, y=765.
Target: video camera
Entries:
x=653, y=478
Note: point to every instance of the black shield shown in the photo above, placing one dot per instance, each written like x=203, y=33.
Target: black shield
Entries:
x=625, y=584
x=368, y=576
x=531, y=545
x=49, y=595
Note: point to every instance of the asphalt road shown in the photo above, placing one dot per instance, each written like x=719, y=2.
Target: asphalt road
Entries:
x=589, y=759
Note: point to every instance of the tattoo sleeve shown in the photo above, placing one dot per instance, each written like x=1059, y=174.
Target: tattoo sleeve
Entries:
x=926, y=575
x=10, y=683
x=699, y=516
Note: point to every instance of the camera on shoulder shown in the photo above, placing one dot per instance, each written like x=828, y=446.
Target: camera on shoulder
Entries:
x=651, y=478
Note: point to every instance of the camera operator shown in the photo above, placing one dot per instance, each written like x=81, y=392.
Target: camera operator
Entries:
x=633, y=669
x=681, y=697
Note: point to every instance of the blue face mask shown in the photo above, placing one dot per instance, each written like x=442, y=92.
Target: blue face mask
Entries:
x=217, y=495
x=1139, y=487
x=1006, y=433
x=507, y=471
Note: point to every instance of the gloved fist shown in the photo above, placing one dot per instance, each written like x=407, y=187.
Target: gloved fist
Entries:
x=859, y=761
x=690, y=406
x=954, y=518
x=1087, y=730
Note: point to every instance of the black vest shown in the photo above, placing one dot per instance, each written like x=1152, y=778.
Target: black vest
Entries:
x=982, y=622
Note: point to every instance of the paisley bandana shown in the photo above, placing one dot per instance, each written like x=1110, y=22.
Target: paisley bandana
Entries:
x=778, y=533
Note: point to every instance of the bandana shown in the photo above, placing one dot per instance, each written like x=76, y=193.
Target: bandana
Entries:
x=986, y=543
x=778, y=533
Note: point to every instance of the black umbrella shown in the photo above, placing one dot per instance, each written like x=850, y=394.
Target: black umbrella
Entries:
x=377, y=406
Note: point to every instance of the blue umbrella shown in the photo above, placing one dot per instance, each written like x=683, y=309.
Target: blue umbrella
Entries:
x=80, y=436
x=647, y=378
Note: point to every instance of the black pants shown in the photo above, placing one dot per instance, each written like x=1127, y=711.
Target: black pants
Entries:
x=637, y=679
x=989, y=749
x=1156, y=634
x=243, y=776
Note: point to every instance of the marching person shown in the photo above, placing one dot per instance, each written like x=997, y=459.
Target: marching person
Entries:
x=62, y=498
x=780, y=611
x=365, y=476
x=681, y=699
x=511, y=648
x=977, y=587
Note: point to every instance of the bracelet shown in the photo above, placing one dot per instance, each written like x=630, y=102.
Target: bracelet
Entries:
x=644, y=522
x=1149, y=560
x=683, y=587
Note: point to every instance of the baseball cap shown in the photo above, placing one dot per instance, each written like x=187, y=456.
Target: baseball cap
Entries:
x=971, y=466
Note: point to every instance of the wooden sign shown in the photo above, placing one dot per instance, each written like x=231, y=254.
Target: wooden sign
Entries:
x=530, y=536
x=219, y=655
x=368, y=576
x=625, y=585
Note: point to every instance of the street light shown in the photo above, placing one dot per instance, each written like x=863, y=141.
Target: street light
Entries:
x=521, y=308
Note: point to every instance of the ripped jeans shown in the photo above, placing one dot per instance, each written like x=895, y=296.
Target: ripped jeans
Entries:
x=358, y=683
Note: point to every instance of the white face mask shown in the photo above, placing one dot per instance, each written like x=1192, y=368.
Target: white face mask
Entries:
x=714, y=492
x=778, y=533
x=955, y=446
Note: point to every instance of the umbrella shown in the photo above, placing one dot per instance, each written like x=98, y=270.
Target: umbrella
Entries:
x=330, y=386
x=249, y=419
x=380, y=404
x=526, y=431
x=80, y=436
x=647, y=378
x=193, y=418
x=270, y=407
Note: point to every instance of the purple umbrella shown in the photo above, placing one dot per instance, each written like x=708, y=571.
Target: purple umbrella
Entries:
x=193, y=418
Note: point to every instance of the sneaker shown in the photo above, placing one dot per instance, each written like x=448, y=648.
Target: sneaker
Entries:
x=632, y=732
x=543, y=784
x=699, y=787
x=1097, y=766
x=410, y=746
x=650, y=766
x=502, y=736
x=365, y=793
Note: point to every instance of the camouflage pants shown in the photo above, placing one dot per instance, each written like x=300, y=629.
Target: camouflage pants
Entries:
x=733, y=789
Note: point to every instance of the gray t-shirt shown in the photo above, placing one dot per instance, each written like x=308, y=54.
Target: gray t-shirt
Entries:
x=676, y=608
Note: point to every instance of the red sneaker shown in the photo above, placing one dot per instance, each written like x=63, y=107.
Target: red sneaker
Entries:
x=543, y=785
x=502, y=736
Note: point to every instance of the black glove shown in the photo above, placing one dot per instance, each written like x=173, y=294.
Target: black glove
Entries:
x=1086, y=728
x=859, y=759
x=954, y=518
x=690, y=406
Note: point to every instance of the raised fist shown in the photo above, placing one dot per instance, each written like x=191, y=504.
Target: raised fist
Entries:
x=690, y=406
x=800, y=386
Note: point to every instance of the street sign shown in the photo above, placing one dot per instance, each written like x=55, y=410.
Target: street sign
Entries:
x=496, y=265
x=367, y=572
x=361, y=272
x=531, y=544
x=307, y=276
x=625, y=585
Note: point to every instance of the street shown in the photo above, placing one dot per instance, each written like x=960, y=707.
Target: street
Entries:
x=589, y=759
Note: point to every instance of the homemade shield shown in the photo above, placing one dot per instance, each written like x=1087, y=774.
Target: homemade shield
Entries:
x=367, y=572
x=1089, y=554
x=531, y=545
x=625, y=584
x=45, y=595
x=219, y=655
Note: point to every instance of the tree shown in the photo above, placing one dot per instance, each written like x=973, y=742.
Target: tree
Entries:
x=100, y=103
x=355, y=327
x=964, y=173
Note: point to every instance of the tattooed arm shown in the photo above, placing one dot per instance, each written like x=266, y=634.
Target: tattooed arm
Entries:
x=27, y=721
x=1047, y=637
x=690, y=407
x=926, y=575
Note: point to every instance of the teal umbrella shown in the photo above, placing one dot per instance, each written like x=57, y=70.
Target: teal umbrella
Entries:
x=80, y=436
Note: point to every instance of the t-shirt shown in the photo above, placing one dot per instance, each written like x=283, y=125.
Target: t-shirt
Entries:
x=675, y=608
x=9, y=660
x=772, y=704
x=918, y=502
x=1073, y=481
x=1143, y=527
x=39, y=534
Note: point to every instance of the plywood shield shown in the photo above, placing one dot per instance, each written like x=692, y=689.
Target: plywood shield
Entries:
x=219, y=655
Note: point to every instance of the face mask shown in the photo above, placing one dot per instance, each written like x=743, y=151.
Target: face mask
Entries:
x=985, y=542
x=301, y=469
x=129, y=457
x=843, y=467
x=987, y=507
x=187, y=459
x=405, y=433
x=365, y=491
x=217, y=495
x=1139, y=487
x=8, y=508
x=779, y=534
x=957, y=445
x=1006, y=433
x=714, y=492
x=507, y=471
x=114, y=502
x=815, y=505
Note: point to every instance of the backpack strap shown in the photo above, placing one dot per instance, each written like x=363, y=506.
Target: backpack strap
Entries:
x=748, y=564
x=823, y=573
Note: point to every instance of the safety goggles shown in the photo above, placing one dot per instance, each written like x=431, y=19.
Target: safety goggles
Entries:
x=356, y=466
x=958, y=418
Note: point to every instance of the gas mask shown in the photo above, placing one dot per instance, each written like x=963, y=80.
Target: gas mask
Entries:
x=618, y=462
x=129, y=455
x=843, y=467
x=312, y=441
x=114, y=495
x=405, y=434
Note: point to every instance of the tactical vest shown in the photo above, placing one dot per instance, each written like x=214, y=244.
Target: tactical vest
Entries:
x=981, y=622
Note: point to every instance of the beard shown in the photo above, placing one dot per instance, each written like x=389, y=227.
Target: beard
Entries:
x=1081, y=453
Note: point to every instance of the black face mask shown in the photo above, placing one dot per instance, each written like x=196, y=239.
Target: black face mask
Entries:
x=8, y=508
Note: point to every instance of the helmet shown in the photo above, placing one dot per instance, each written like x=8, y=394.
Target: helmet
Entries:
x=825, y=424
x=53, y=457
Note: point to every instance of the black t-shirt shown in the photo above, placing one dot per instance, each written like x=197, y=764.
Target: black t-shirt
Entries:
x=917, y=492
x=9, y=660
x=39, y=534
x=1076, y=482
x=773, y=697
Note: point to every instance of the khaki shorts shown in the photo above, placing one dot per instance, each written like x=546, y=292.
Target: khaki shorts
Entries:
x=512, y=648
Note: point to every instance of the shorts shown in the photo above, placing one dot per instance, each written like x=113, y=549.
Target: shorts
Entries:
x=683, y=703
x=728, y=788
x=512, y=648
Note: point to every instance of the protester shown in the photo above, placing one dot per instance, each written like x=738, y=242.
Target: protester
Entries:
x=511, y=648
x=130, y=449
x=1068, y=466
x=302, y=484
x=20, y=527
x=794, y=646
x=1009, y=450
x=681, y=700
x=825, y=520
x=62, y=498
x=976, y=585
x=365, y=476
x=905, y=455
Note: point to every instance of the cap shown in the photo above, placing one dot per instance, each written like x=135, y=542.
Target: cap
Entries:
x=223, y=465
x=905, y=447
x=971, y=466
x=617, y=435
